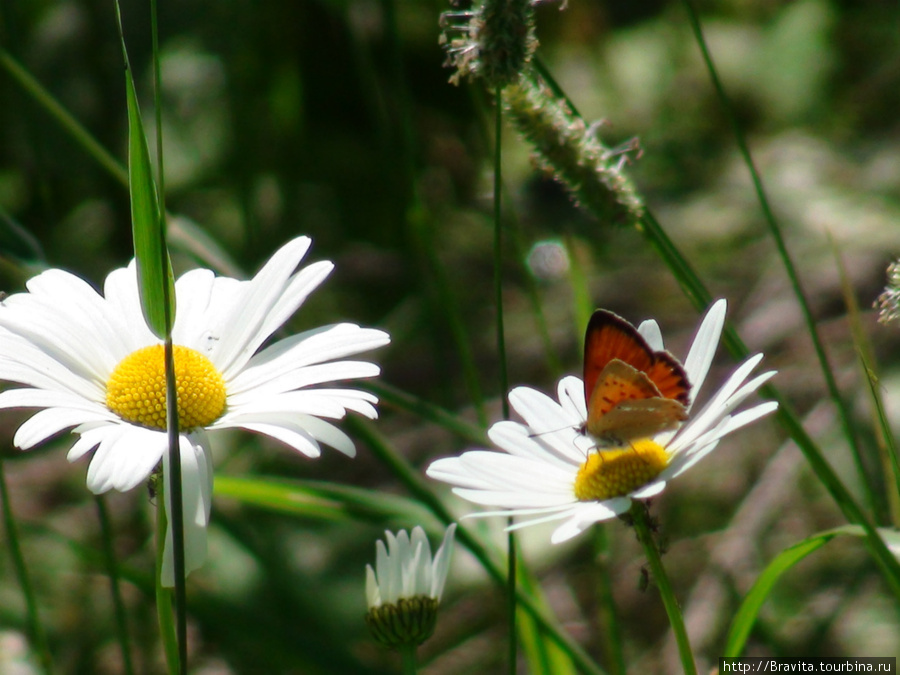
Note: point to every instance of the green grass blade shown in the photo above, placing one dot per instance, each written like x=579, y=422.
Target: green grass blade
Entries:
x=749, y=609
x=147, y=225
x=145, y=221
x=325, y=501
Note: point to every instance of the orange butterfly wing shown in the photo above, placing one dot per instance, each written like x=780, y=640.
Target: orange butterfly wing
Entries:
x=630, y=390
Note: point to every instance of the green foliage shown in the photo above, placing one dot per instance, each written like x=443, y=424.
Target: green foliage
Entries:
x=334, y=119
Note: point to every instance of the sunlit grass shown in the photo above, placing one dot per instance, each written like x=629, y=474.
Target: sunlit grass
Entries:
x=336, y=121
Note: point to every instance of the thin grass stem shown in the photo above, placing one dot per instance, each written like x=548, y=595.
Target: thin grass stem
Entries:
x=498, y=248
x=790, y=268
x=35, y=626
x=177, y=503
x=512, y=604
x=501, y=354
x=645, y=537
x=112, y=571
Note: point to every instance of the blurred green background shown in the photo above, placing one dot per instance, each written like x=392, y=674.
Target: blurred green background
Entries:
x=335, y=119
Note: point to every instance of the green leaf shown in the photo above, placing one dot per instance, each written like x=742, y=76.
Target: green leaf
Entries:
x=152, y=259
x=326, y=501
x=746, y=615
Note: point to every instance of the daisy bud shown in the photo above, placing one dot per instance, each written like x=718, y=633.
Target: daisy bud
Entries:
x=403, y=596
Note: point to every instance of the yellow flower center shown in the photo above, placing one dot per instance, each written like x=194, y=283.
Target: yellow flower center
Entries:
x=615, y=473
x=136, y=390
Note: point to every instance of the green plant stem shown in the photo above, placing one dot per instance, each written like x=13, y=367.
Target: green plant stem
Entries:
x=112, y=570
x=512, y=604
x=775, y=232
x=498, y=249
x=177, y=504
x=164, y=613
x=35, y=627
x=501, y=355
x=645, y=537
x=172, y=431
x=408, y=655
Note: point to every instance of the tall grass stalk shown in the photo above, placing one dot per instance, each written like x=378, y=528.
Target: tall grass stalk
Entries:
x=501, y=356
x=775, y=232
x=172, y=421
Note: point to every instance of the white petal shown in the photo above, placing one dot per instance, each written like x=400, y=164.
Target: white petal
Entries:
x=43, y=398
x=373, y=595
x=320, y=345
x=584, y=518
x=277, y=380
x=125, y=458
x=46, y=423
x=442, y=563
x=196, y=480
x=518, y=441
x=23, y=362
x=649, y=330
x=713, y=411
x=297, y=430
x=265, y=303
x=298, y=439
x=332, y=403
x=649, y=490
x=64, y=317
x=123, y=302
x=704, y=346
x=193, y=293
x=90, y=438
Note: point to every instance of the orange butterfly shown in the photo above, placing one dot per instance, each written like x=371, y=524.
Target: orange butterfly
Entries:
x=631, y=391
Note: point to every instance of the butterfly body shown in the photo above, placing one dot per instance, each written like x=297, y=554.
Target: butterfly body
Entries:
x=631, y=391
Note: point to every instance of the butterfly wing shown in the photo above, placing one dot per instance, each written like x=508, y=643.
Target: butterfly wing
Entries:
x=610, y=337
x=626, y=405
x=635, y=419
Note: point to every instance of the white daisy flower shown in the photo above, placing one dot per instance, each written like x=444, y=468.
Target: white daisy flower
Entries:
x=404, y=593
x=90, y=363
x=552, y=470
